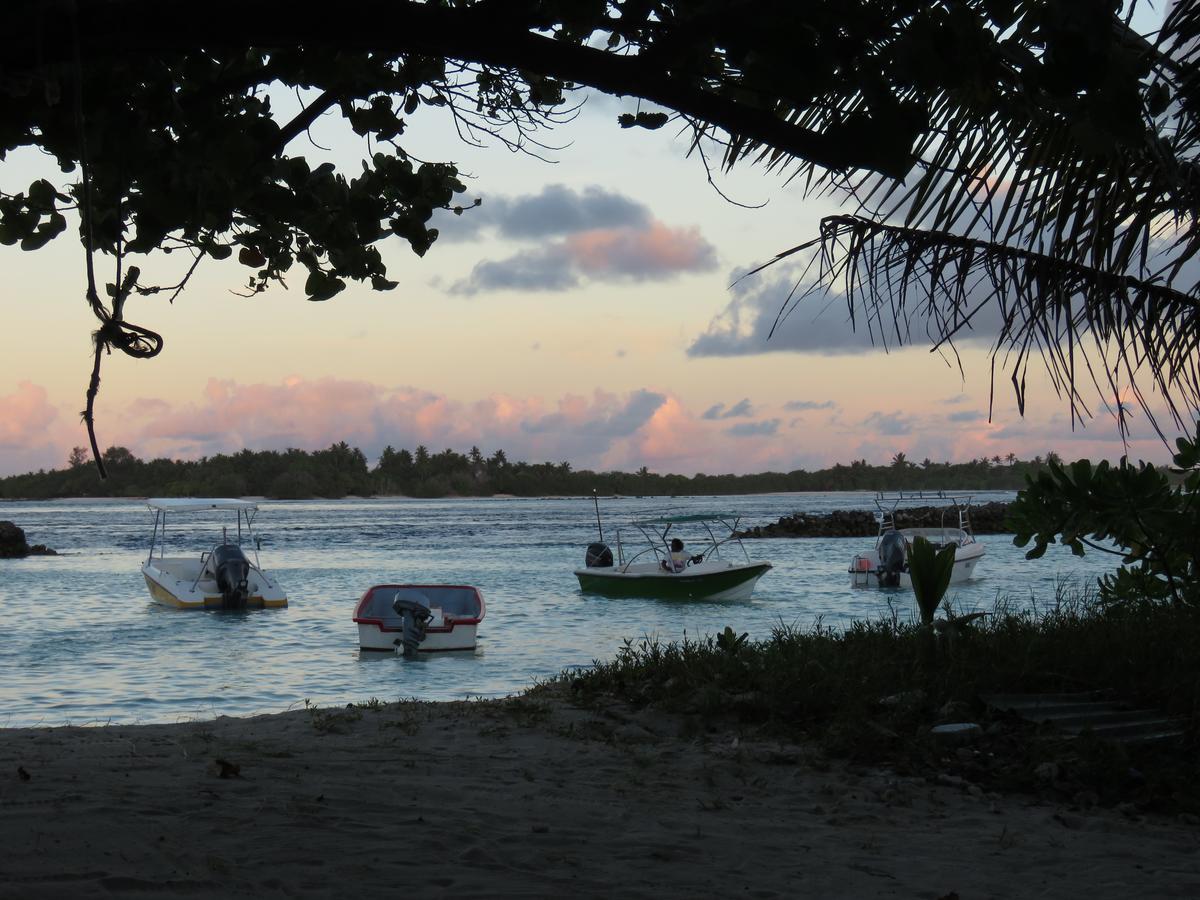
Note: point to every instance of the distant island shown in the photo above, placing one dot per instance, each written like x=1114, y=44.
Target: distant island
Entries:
x=343, y=471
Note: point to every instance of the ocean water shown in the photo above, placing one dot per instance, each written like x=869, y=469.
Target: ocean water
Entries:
x=81, y=642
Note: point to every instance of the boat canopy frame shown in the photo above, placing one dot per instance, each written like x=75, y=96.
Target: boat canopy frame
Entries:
x=655, y=532
x=245, y=510
x=887, y=503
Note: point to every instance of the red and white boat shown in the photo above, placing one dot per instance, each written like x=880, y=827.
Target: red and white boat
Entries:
x=425, y=618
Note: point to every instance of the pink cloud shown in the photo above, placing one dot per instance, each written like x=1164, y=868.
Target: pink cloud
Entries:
x=642, y=252
x=600, y=431
x=651, y=252
x=34, y=434
x=24, y=415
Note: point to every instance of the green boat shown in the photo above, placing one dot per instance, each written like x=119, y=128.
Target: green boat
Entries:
x=651, y=560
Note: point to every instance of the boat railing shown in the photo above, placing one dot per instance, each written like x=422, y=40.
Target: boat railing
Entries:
x=159, y=538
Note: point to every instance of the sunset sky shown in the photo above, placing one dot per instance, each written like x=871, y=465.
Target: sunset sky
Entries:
x=584, y=312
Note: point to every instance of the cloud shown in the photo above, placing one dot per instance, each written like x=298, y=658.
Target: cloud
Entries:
x=556, y=211
x=966, y=415
x=311, y=414
x=889, y=424
x=819, y=323
x=559, y=210
x=806, y=405
x=752, y=429
x=608, y=422
x=741, y=409
x=33, y=434
x=654, y=252
x=24, y=415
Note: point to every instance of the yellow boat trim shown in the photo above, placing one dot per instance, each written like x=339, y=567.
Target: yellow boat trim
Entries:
x=211, y=601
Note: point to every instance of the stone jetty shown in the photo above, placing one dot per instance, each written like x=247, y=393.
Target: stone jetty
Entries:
x=987, y=518
x=13, y=544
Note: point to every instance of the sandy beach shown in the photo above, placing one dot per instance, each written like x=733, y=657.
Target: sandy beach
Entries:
x=531, y=797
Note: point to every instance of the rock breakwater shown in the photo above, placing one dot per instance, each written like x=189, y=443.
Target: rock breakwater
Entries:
x=987, y=518
x=13, y=544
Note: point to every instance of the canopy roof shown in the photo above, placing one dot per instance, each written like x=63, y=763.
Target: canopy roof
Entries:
x=192, y=504
x=691, y=517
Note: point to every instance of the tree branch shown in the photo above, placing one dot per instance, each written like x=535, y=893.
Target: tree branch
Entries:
x=482, y=34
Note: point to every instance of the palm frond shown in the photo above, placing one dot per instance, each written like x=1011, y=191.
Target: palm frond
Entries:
x=1111, y=330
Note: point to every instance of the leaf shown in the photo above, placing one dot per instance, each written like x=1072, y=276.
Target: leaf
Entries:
x=930, y=572
x=647, y=120
x=252, y=257
x=322, y=286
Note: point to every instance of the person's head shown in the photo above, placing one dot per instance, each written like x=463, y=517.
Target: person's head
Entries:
x=676, y=544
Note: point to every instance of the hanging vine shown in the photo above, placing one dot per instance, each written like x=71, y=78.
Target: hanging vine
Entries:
x=114, y=331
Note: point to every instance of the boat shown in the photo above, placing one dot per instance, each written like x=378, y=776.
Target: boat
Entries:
x=645, y=564
x=424, y=618
x=223, y=577
x=887, y=564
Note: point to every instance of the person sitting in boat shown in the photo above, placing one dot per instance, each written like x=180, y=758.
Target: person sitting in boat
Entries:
x=678, y=560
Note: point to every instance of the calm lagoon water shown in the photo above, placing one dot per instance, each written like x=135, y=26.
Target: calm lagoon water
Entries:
x=81, y=642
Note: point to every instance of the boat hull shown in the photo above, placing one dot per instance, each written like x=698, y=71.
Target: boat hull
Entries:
x=725, y=583
x=455, y=613
x=864, y=569
x=379, y=638
x=179, y=593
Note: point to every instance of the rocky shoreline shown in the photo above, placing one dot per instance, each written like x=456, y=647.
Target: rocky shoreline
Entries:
x=987, y=518
x=14, y=546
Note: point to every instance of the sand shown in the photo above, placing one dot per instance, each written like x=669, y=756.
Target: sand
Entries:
x=531, y=798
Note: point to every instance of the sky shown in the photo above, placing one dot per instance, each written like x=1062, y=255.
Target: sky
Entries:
x=589, y=311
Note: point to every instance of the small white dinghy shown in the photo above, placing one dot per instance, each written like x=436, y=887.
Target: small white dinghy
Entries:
x=425, y=618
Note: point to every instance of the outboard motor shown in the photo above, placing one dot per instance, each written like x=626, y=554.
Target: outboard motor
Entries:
x=414, y=615
x=892, y=558
x=232, y=569
x=598, y=556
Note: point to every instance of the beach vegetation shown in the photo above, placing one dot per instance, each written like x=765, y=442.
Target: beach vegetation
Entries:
x=871, y=692
x=332, y=721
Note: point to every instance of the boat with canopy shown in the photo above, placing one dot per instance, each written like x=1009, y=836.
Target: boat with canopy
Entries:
x=887, y=564
x=223, y=577
x=652, y=560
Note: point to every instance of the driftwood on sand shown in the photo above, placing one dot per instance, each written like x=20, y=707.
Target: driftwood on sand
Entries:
x=987, y=518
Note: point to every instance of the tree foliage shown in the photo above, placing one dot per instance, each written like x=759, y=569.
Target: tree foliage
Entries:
x=1052, y=204
x=1035, y=156
x=1152, y=521
x=342, y=470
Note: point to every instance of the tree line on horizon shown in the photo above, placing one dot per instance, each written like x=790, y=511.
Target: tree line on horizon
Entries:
x=342, y=471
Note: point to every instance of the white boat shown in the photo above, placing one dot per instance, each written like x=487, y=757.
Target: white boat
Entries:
x=646, y=565
x=887, y=564
x=222, y=577
x=425, y=618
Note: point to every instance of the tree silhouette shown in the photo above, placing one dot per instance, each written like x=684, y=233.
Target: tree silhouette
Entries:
x=1034, y=158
